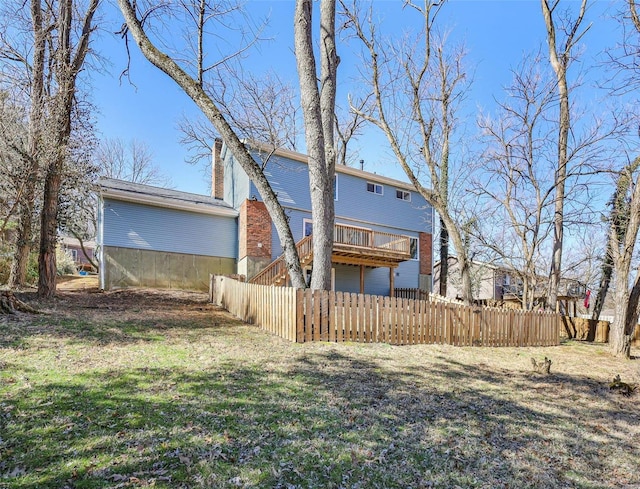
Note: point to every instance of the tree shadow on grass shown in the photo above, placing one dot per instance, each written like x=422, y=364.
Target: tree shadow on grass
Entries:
x=326, y=419
x=122, y=317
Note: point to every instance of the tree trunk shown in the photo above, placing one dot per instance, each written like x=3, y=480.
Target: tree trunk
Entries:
x=9, y=304
x=47, y=266
x=67, y=65
x=237, y=147
x=444, y=259
x=619, y=339
x=18, y=272
x=318, y=108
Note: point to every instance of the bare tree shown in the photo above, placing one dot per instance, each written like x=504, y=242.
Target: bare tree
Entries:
x=70, y=52
x=29, y=68
x=259, y=109
x=416, y=87
x=625, y=215
x=515, y=178
x=621, y=246
x=561, y=53
x=131, y=161
x=618, y=219
x=190, y=77
x=13, y=128
x=349, y=125
x=318, y=108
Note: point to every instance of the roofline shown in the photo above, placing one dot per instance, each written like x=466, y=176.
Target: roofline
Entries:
x=348, y=170
x=166, y=202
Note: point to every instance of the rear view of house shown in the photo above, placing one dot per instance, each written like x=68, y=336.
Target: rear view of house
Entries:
x=156, y=237
x=383, y=228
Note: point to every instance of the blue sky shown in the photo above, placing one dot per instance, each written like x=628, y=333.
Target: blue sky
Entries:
x=496, y=32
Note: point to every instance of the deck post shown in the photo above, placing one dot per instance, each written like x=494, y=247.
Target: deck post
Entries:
x=362, y=279
x=392, y=289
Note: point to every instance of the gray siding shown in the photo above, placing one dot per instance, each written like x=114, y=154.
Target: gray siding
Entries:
x=131, y=225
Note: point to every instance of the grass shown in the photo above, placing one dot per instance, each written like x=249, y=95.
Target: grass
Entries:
x=141, y=389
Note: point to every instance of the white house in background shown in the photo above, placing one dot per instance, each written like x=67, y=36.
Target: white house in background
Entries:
x=162, y=238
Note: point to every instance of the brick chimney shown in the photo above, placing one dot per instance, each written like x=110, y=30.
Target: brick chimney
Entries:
x=254, y=235
x=217, y=171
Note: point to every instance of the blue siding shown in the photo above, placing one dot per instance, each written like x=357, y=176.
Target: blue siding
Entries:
x=290, y=181
x=376, y=280
x=236, y=181
x=139, y=226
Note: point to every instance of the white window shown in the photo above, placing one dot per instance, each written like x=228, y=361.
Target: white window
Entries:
x=74, y=254
x=413, y=248
x=307, y=227
x=403, y=195
x=375, y=188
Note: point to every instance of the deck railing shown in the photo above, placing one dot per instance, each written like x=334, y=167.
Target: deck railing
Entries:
x=344, y=237
x=366, y=238
x=277, y=269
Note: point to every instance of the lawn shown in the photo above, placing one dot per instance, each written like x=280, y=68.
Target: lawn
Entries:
x=160, y=389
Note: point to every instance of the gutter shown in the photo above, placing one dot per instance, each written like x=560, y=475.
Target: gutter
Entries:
x=167, y=203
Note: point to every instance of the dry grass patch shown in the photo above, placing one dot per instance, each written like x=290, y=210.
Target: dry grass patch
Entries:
x=146, y=388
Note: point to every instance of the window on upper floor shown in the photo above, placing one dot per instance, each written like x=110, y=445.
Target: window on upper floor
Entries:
x=403, y=195
x=375, y=188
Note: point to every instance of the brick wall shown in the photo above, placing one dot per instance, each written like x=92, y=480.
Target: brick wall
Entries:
x=217, y=172
x=254, y=230
x=426, y=252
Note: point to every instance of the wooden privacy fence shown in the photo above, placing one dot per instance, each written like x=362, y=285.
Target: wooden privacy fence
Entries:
x=306, y=315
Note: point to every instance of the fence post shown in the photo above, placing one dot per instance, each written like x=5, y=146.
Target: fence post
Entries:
x=212, y=287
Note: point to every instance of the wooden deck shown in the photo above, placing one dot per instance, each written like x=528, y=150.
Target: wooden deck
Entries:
x=357, y=246
x=351, y=246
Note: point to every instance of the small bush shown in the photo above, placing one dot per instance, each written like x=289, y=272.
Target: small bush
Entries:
x=64, y=262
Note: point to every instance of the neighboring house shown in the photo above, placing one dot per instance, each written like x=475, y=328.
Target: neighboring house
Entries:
x=72, y=246
x=155, y=237
x=494, y=284
x=383, y=233
x=488, y=281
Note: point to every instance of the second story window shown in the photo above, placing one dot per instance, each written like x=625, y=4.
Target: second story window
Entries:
x=403, y=195
x=375, y=188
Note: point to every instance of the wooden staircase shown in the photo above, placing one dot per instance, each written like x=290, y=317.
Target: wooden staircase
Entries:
x=276, y=272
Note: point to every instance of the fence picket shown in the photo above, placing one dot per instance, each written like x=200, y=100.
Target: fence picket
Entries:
x=301, y=316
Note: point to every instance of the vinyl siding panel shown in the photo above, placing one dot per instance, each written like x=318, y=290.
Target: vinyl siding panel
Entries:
x=290, y=181
x=237, y=186
x=376, y=280
x=132, y=225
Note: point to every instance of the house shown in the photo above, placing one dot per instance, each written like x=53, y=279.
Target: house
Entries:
x=156, y=237
x=495, y=284
x=81, y=253
x=383, y=228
